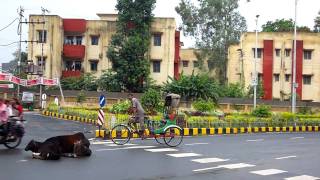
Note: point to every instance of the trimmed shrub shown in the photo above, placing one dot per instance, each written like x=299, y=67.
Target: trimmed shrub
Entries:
x=262, y=111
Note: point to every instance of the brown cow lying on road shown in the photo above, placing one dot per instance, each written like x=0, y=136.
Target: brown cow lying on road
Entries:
x=75, y=145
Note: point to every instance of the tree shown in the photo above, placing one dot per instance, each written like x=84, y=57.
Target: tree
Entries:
x=128, y=47
x=193, y=87
x=283, y=25
x=150, y=100
x=233, y=90
x=215, y=24
x=13, y=64
x=108, y=82
x=84, y=82
x=317, y=23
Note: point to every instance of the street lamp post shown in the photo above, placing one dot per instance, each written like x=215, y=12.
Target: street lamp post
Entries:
x=294, y=85
x=255, y=81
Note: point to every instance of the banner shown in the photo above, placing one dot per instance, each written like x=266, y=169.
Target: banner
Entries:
x=28, y=82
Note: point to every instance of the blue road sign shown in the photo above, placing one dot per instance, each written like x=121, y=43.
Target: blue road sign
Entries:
x=102, y=101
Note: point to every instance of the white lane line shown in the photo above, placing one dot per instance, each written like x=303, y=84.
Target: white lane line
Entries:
x=285, y=157
x=161, y=150
x=23, y=160
x=193, y=144
x=115, y=145
x=268, y=172
x=296, y=138
x=101, y=142
x=184, y=155
x=303, y=177
x=130, y=147
x=209, y=160
x=255, y=140
x=227, y=166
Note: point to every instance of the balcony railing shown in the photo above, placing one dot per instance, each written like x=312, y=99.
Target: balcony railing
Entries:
x=74, y=51
x=70, y=73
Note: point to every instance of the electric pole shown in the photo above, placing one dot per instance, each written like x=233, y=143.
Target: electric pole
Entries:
x=42, y=44
x=20, y=11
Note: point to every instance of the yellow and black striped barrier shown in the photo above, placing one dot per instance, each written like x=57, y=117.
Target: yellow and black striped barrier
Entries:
x=198, y=131
x=67, y=117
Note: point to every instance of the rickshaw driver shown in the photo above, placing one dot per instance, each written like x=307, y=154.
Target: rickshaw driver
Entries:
x=138, y=115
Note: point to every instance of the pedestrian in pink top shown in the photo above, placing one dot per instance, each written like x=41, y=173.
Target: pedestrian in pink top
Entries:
x=3, y=112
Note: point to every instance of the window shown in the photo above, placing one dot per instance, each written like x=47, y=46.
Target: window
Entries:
x=41, y=62
x=278, y=51
x=68, y=40
x=79, y=40
x=94, y=40
x=157, y=39
x=307, y=54
x=287, y=77
x=307, y=79
x=259, y=50
x=94, y=65
x=73, y=65
x=156, y=66
x=42, y=36
x=276, y=77
x=185, y=63
x=195, y=64
x=287, y=52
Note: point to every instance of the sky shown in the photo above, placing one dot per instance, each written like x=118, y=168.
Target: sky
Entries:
x=269, y=10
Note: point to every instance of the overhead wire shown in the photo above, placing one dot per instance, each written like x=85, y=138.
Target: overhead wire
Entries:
x=8, y=25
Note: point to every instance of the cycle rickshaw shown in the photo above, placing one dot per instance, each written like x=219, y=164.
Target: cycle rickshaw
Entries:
x=167, y=132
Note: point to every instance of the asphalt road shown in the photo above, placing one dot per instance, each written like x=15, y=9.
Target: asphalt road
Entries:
x=291, y=156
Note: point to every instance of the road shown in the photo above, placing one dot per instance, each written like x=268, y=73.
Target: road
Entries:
x=291, y=156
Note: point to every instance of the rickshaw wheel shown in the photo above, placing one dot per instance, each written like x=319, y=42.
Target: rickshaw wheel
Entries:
x=173, y=136
x=120, y=134
x=159, y=138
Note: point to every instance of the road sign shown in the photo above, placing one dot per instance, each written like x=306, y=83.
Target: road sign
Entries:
x=102, y=101
x=100, y=117
x=44, y=96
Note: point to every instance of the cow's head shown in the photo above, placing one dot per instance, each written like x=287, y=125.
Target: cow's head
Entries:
x=32, y=146
x=80, y=149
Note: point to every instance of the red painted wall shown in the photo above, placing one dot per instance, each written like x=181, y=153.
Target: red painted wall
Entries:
x=74, y=51
x=74, y=25
x=299, y=65
x=267, y=68
x=177, y=54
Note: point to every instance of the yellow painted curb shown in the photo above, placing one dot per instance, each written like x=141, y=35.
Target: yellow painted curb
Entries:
x=211, y=131
x=101, y=133
x=256, y=129
x=203, y=131
x=303, y=128
x=277, y=129
x=242, y=130
x=249, y=130
x=316, y=128
x=309, y=128
x=235, y=130
x=263, y=129
x=270, y=129
x=186, y=131
x=195, y=131
x=220, y=130
x=284, y=129
x=297, y=128
x=290, y=129
x=228, y=130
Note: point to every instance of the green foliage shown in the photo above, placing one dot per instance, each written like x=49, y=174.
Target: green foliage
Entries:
x=84, y=82
x=193, y=87
x=150, y=101
x=108, y=82
x=203, y=106
x=305, y=110
x=121, y=107
x=81, y=97
x=262, y=111
x=234, y=90
x=260, y=90
x=129, y=46
x=317, y=23
x=215, y=24
x=283, y=25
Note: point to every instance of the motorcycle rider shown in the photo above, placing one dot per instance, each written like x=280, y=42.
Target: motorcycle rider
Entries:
x=3, y=117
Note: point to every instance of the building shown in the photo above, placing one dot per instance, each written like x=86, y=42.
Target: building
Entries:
x=274, y=64
x=72, y=47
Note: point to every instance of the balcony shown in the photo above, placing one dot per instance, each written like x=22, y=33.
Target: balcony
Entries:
x=74, y=25
x=74, y=51
x=69, y=73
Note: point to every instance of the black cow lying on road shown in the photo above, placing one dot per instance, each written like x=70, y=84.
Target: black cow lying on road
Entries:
x=75, y=145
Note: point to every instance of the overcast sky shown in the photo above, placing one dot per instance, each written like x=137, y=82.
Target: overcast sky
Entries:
x=267, y=9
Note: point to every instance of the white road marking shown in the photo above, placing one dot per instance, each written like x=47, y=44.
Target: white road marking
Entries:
x=193, y=144
x=184, y=155
x=130, y=147
x=255, y=140
x=227, y=166
x=161, y=150
x=268, y=172
x=209, y=160
x=114, y=145
x=303, y=177
x=296, y=138
x=23, y=160
x=101, y=142
x=286, y=157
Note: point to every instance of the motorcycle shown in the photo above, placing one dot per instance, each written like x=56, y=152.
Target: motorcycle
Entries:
x=15, y=131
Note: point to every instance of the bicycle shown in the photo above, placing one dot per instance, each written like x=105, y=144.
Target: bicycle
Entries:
x=168, y=131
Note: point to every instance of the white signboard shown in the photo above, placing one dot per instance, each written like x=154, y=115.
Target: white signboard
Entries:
x=27, y=97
